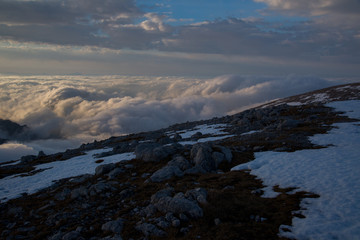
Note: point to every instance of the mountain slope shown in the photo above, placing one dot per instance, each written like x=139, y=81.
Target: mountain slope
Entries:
x=178, y=183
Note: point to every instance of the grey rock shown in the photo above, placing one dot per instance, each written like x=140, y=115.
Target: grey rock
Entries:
x=115, y=172
x=74, y=235
x=41, y=154
x=79, y=192
x=150, y=230
x=61, y=196
x=115, y=226
x=177, y=137
x=27, y=158
x=197, y=135
x=167, y=192
x=217, y=221
x=197, y=194
x=115, y=237
x=104, y=169
x=56, y=236
x=149, y=210
x=195, y=170
x=179, y=205
x=166, y=173
x=218, y=158
x=227, y=153
x=154, y=152
x=201, y=156
x=175, y=223
x=99, y=188
x=180, y=162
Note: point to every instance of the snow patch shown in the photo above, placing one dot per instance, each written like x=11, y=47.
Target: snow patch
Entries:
x=13, y=186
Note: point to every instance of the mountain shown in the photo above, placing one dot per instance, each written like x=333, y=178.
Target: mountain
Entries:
x=13, y=131
x=286, y=169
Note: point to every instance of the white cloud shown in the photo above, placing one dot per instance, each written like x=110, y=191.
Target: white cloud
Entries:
x=90, y=108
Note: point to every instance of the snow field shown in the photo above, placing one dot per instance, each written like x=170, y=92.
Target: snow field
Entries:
x=331, y=172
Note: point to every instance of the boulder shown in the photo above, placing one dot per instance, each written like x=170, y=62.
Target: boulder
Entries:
x=201, y=156
x=180, y=162
x=166, y=173
x=154, y=152
x=104, y=169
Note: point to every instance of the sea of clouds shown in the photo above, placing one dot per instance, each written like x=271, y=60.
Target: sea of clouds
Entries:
x=65, y=111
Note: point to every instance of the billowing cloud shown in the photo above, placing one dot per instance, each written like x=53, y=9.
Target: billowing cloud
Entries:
x=90, y=108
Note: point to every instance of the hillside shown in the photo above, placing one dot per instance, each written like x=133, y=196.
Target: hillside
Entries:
x=286, y=169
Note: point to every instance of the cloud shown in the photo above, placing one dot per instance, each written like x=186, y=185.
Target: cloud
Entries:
x=314, y=7
x=87, y=108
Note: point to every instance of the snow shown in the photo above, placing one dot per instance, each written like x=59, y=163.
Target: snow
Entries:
x=251, y=132
x=213, y=129
x=331, y=172
x=13, y=186
x=208, y=139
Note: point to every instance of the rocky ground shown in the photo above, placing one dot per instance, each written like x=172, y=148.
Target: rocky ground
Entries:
x=178, y=186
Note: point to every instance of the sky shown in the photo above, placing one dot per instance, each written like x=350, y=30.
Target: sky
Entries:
x=180, y=38
x=78, y=70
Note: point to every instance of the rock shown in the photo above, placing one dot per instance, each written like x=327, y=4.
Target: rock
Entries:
x=149, y=210
x=217, y=221
x=175, y=223
x=179, y=205
x=167, y=192
x=41, y=154
x=177, y=137
x=201, y=156
x=144, y=151
x=27, y=158
x=99, y=188
x=227, y=153
x=105, y=168
x=166, y=173
x=150, y=230
x=74, y=235
x=113, y=226
x=197, y=194
x=115, y=237
x=61, y=196
x=197, y=135
x=79, y=192
x=162, y=222
x=195, y=170
x=154, y=152
x=180, y=162
x=289, y=123
x=218, y=158
x=115, y=172
x=56, y=236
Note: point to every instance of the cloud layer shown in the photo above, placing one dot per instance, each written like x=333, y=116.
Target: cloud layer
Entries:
x=90, y=108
